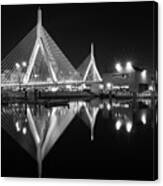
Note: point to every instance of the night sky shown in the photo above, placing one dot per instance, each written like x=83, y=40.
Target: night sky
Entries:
x=119, y=31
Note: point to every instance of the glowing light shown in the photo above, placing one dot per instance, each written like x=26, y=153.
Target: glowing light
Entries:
x=92, y=135
x=24, y=130
x=151, y=88
x=125, y=86
x=126, y=105
x=118, y=124
x=101, y=86
x=108, y=107
x=17, y=65
x=144, y=118
x=101, y=106
x=84, y=85
x=108, y=86
x=129, y=126
x=129, y=67
x=116, y=104
x=144, y=74
x=116, y=87
x=24, y=64
x=17, y=126
x=69, y=87
x=54, y=89
x=118, y=67
x=48, y=113
x=36, y=75
x=147, y=102
x=48, y=79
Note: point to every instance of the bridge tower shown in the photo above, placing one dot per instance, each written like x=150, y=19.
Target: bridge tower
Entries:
x=39, y=45
x=37, y=61
x=39, y=22
x=88, y=68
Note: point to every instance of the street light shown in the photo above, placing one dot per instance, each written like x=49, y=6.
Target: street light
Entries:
x=17, y=65
x=24, y=64
x=129, y=67
x=101, y=86
x=109, y=86
x=118, y=67
x=36, y=75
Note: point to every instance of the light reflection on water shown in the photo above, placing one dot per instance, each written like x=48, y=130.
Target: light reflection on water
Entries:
x=37, y=128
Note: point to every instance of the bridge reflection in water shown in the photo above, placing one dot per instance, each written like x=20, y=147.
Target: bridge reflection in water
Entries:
x=36, y=128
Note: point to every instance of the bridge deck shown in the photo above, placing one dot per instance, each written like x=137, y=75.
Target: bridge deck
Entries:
x=45, y=84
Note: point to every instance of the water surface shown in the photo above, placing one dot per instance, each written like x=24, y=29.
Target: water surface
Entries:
x=98, y=139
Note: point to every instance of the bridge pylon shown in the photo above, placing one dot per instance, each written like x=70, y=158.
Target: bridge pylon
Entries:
x=88, y=68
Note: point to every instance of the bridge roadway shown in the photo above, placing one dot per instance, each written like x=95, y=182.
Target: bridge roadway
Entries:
x=45, y=84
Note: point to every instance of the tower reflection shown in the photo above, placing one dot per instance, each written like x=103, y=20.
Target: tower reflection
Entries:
x=37, y=129
x=88, y=113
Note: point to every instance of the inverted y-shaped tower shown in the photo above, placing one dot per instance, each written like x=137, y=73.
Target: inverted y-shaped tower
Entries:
x=39, y=45
x=88, y=68
x=44, y=61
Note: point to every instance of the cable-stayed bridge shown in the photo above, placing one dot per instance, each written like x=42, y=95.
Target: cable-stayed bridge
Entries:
x=37, y=61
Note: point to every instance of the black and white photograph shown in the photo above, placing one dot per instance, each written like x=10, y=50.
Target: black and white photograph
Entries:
x=79, y=90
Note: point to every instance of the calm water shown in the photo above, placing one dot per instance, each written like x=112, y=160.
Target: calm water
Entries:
x=95, y=139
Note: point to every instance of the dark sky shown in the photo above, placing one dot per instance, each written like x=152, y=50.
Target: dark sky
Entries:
x=120, y=31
